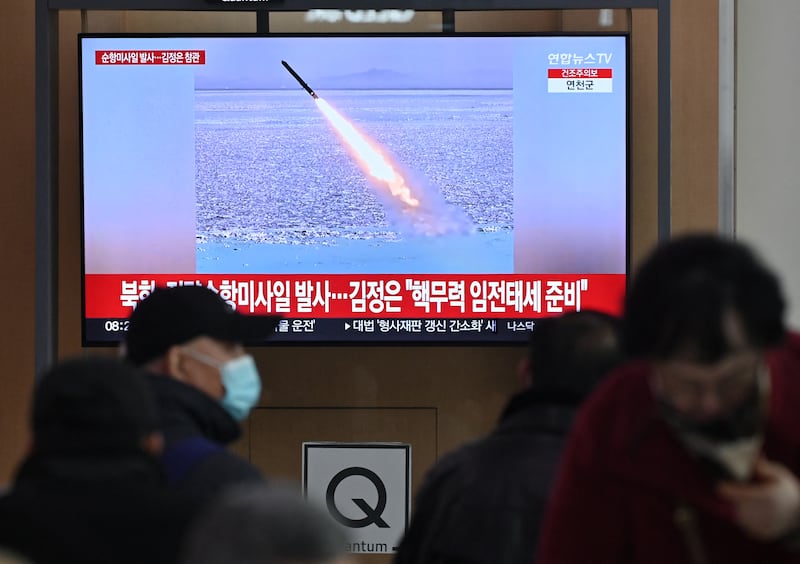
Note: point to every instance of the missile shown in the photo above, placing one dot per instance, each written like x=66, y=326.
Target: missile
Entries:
x=300, y=80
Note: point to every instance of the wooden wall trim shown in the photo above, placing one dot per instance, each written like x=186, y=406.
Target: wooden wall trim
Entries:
x=17, y=163
x=695, y=115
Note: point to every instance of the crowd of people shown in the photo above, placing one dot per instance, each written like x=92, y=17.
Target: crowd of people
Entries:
x=668, y=435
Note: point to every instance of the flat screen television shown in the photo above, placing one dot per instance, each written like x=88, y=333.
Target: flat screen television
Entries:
x=447, y=188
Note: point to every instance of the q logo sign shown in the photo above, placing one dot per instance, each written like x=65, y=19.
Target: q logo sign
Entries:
x=371, y=514
x=365, y=488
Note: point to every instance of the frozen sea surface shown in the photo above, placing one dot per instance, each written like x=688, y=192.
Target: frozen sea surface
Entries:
x=446, y=254
x=277, y=191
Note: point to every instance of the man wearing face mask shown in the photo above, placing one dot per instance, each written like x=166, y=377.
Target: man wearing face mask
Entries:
x=191, y=343
x=691, y=453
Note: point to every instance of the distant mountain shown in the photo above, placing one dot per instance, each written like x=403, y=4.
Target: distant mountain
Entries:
x=372, y=79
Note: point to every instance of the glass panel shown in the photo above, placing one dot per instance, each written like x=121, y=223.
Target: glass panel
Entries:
x=543, y=20
x=98, y=21
x=511, y=20
x=595, y=20
x=355, y=21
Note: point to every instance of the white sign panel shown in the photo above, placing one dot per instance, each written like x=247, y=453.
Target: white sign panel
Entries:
x=366, y=488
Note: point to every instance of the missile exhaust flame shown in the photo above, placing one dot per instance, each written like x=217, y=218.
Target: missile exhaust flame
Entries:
x=368, y=155
x=365, y=151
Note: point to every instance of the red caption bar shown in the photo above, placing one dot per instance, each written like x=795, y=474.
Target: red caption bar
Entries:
x=578, y=73
x=117, y=57
x=402, y=295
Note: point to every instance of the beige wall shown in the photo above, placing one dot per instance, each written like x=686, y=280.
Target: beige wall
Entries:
x=16, y=226
x=695, y=115
x=464, y=386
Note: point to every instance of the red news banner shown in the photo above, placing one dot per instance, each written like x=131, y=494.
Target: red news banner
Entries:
x=579, y=73
x=114, y=296
x=142, y=57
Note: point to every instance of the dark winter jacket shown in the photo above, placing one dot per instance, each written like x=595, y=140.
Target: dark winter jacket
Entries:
x=483, y=503
x=114, y=508
x=196, y=431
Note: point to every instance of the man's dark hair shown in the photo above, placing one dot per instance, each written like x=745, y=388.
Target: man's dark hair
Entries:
x=570, y=354
x=681, y=294
x=263, y=524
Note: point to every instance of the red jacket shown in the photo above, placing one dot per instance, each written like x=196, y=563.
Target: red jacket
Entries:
x=628, y=492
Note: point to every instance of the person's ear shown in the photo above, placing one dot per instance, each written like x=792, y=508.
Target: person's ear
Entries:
x=173, y=363
x=153, y=444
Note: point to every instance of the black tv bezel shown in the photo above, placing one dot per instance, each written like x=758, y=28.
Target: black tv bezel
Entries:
x=116, y=337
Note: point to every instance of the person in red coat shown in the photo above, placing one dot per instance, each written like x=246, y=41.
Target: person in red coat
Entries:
x=690, y=453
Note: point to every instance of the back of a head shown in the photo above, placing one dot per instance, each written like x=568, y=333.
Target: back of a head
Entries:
x=92, y=405
x=173, y=316
x=680, y=296
x=263, y=524
x=570, y=354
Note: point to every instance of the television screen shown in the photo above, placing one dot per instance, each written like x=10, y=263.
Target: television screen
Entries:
x=368, y=188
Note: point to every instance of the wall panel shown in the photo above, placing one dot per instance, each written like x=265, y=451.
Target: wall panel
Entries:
x=643, y=204
x=695, y=115
x=69, y=208
x=17, y=166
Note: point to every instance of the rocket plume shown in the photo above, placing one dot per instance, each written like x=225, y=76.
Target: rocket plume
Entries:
x=368, y=154
x=365, y=151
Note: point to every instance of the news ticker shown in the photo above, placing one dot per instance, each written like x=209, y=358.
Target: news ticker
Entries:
x=484, y=330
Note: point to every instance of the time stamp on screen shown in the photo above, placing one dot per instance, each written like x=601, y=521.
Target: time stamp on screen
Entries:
x=116, y=325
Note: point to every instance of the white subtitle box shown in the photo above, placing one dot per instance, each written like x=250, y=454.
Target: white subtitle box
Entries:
x=578, y=80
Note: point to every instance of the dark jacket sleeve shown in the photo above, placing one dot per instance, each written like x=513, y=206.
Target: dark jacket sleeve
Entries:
x=432, y=506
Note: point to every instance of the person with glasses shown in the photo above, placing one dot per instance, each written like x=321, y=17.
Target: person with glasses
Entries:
x=690, y=452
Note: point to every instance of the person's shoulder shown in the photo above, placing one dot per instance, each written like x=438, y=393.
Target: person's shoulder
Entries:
x=622, y=395
x=455, y=461
x=618, y=408
x=218, y=470
x=784, y=362
x=784, y=368
x=466, y=471
x=790, y=345
x=226, y=464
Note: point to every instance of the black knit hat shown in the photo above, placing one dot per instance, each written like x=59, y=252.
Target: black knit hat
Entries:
x=92, y=404
x=172, y=316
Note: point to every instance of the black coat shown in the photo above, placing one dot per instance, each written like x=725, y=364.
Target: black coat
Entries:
x=86, y=509
x=484, y=503
x=196, y=431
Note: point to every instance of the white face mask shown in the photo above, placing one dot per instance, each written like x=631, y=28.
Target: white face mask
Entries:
x=736, y=455
x=242, y=386
x=240, y=379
